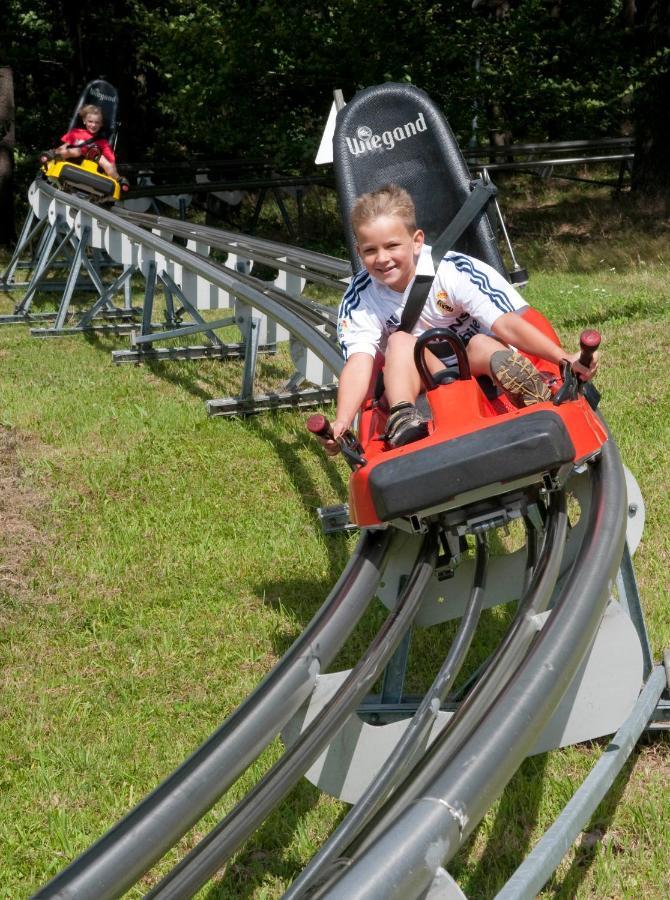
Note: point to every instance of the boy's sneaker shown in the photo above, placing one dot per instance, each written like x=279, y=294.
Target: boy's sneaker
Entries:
x=518, y=378
x=405, y=425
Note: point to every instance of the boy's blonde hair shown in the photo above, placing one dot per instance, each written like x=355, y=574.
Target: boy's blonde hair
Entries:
x=388, y=200
x=91, y=110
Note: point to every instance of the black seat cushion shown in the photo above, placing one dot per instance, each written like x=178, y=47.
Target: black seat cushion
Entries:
x=395, y=133
x=425, y=478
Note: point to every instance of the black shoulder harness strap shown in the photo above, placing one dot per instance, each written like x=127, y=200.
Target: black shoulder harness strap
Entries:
x=415, y=302
x=473, y=206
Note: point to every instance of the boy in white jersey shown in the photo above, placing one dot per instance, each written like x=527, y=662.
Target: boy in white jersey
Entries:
x=467, y=295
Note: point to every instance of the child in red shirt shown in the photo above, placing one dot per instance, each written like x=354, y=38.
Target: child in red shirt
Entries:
x=83, y=141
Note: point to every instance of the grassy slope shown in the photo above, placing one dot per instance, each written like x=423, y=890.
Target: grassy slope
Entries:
x=154, y=564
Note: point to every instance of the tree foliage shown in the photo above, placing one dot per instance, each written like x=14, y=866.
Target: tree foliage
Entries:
x=6, y=155
x=651, y=173
x=249, y=79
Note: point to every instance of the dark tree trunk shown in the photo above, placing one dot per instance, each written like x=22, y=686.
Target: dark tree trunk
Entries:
x=7, y=230
x=651, y=169
x=72, y=15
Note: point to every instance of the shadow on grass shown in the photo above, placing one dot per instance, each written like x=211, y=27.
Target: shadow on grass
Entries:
x=553, y=204
x=635, y=310
x=105, y=341
x=510, y=837
x=595, y=830
x=263, y=858
x=301, y=597
x=187, y=375
x=574, y=228
x=288, y=452
x=266, y=856
x=182, y=376
x=288, y=455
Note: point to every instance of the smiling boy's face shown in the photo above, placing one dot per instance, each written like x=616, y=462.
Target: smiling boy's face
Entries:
x=92, y=123
x=389, y=251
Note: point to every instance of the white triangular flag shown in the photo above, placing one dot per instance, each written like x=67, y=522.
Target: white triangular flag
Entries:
x=325, y=152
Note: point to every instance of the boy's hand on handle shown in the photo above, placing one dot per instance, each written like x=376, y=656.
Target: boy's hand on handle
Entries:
x=585, y=363
x=326, y=433
x=589, y=341
x=335, y=438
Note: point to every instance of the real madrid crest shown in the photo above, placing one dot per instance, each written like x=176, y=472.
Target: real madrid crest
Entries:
x=443, y=302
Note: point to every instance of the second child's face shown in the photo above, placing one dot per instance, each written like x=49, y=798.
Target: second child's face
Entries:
x=389, y=251
x=92, y=123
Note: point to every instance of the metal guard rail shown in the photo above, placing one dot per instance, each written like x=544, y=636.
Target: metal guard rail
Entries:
x=146, y=247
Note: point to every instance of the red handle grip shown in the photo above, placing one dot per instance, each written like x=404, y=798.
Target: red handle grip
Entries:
x=352, y=450
x=319, y=425
x=589, y=341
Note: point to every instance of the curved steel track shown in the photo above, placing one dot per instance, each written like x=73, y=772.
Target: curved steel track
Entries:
x=130, y=244
x=425, y=800
x=446, y=789
x=130, y=848
x=467, y=768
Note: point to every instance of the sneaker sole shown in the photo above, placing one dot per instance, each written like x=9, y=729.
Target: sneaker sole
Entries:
x=519, y=378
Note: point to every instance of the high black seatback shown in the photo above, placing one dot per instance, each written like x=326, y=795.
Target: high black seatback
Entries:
x=395, y=133
x=104, y=95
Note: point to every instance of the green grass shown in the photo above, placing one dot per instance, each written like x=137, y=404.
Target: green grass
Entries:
x=155, y=563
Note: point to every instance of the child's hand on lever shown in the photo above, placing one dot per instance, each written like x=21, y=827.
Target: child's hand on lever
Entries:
x=335, y=438
x=585, y=363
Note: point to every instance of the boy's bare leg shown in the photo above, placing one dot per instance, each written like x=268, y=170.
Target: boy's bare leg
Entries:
x=108, y=168
x=480, y=350
x=402, y=385
x=401, y=378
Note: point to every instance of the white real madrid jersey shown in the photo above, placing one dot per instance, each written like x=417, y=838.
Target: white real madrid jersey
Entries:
x=467, y=296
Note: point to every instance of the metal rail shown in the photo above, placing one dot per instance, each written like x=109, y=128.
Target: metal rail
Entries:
x=133, y=845
x=503, y=663
x=130, y=848
x=481, y=698
x=459, y=783
x=550, y=163
x=305, y=264
x=541, y=159
x=596, y=145
x=189, y=276
x=262, y=249
x=148, y=248
x=210, y=854
x=250, y=184
x=412, y=742
x=535, y=870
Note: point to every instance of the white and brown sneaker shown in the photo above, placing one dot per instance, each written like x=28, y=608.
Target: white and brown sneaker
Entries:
x=518, y=378
x=405, y=425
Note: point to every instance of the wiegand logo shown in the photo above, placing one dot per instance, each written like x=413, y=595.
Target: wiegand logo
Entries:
x=97, y=93
x=367, y=142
